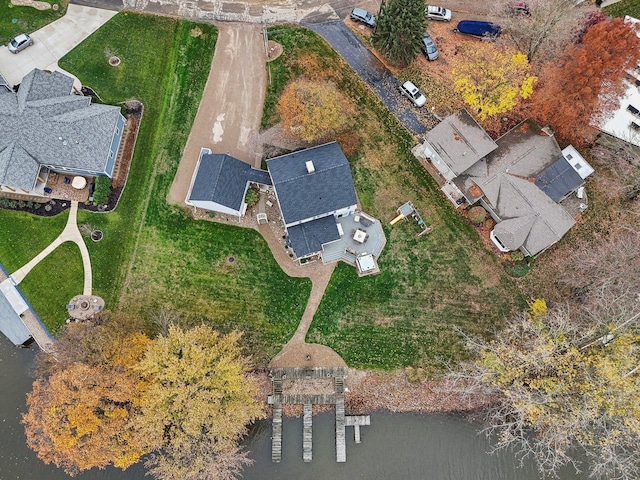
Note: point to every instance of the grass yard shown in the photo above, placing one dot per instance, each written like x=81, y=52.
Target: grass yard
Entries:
x=179, y=264
x=52, y=283
x=429, y=285
x=624, y=7
x=27, y=19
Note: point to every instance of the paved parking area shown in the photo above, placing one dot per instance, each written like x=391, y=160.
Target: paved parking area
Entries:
x=52, y=42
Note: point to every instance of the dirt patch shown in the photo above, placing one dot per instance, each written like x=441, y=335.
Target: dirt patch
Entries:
x=32, y=3
x=195, y=32
x=275, y=50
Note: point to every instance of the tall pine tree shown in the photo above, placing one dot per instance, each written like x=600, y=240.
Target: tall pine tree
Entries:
x=399, y=30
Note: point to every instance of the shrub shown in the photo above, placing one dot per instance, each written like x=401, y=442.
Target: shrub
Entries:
x=477, y=215
x=102, y=190
x=252, y=197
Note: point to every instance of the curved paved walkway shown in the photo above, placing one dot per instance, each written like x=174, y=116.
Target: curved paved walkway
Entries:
x=69, y=234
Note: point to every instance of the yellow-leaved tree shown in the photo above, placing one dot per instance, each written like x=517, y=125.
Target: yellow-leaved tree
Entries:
x=492, y=80
x=314, y=111
x=564, y=385
x=199, y=402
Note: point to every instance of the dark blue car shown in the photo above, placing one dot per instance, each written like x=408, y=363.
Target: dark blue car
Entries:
x=477, y=28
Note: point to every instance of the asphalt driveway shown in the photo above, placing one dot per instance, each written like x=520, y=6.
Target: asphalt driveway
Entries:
x=52, y=42
x=373, y=73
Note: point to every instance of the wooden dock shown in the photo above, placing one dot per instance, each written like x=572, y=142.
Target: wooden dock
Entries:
x=307, y=434
x=336, y=398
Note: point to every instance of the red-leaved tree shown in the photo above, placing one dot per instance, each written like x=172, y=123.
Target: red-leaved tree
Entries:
x=585, y=84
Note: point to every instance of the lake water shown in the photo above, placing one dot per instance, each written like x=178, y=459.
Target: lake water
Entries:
x=394, y=446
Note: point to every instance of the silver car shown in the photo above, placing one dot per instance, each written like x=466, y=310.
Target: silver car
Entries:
x=360, y=15
x=409, y=90
x=19, y=43
x=429, y=47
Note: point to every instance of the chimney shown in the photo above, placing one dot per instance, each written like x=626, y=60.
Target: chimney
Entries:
x=310, y=167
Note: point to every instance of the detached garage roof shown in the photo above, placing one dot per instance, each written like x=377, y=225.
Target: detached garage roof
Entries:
x=223, y=179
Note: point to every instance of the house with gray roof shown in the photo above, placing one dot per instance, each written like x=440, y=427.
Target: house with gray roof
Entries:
x=315, y=193
x=314, y=187
x=45, y=127
x=220, y=183
x=524, y=180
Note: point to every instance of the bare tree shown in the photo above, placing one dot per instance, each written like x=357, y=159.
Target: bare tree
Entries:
x=545, y=30
x=563, y=388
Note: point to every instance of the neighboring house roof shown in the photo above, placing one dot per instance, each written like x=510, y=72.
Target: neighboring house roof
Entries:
x=307, y=238
x=223, y=179
x=522, y=179
x=530, y=218
x=44, y=124
x=303, y=195
x=460, y=141
x=624, y=122
x=10, y=322
x=4, y=85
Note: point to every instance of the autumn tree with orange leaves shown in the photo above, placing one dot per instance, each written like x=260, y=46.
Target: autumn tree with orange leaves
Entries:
x=82, y=405
x=314, y=111
x=585, y=84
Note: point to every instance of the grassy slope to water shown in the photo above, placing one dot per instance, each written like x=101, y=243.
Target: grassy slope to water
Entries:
x=180, y=264
x=429, y=285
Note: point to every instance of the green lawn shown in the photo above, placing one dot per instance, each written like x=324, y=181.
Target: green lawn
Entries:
x=53, y=282
x=180, y=264
x=428, y=285
x=624, y=7
x=15, y=19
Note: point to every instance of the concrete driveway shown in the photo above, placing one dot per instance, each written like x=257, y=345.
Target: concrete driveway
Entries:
x=52, y=42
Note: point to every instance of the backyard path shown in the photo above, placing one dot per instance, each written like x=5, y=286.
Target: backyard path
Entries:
x=69, y=234
x=231, y=105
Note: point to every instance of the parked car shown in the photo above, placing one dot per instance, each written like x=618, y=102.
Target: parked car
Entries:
x=429, y=47
x=360, y=15
x=437, y=13
x=409, y=90
x=19, y=43
x=478, y=29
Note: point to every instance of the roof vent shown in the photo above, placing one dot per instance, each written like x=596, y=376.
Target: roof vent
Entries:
x=310, y=167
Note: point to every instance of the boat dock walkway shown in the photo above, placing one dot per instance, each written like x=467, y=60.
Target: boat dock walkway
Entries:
x=279, y=398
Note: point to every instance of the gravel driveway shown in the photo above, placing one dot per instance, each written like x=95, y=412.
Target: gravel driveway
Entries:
x=372, y=72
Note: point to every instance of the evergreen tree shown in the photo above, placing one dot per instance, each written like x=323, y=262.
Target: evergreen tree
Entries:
x=399, y=30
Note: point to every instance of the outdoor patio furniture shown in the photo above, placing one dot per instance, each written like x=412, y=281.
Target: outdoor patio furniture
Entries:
x=67, y=180
x=70, y=306
x=47, y=190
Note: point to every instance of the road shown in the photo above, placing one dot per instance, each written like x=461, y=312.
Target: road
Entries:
x=372, y=72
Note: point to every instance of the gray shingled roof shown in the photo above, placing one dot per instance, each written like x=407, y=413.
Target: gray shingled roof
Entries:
x=303, y=195
x=530, y=218
x=53, y=128
x=308, y=238
x=460, y=141
x=223, y=179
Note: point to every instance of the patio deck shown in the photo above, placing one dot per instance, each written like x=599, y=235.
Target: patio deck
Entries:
x=347, y=248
